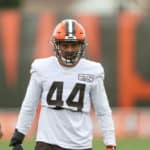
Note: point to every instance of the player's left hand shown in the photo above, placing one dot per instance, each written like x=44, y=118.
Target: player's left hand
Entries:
x=110, y=147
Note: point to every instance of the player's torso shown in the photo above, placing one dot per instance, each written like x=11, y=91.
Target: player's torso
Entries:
x=67, y=88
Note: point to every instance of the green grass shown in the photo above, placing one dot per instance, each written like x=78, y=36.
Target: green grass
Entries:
x=122, y=144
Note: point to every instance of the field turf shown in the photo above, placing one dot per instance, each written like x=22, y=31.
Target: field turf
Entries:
x=122, y=144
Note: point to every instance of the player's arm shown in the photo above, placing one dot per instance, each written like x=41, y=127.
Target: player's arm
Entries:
x=27, y=111
x=103, y=112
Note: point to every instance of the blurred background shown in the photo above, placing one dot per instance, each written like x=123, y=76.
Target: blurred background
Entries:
x=118, y=33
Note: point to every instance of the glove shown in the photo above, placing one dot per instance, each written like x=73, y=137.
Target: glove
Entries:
x=18, y=147
x=110, y=147
x=17, y=140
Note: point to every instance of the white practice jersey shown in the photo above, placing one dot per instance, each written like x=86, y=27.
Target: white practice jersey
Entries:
x=66, y=95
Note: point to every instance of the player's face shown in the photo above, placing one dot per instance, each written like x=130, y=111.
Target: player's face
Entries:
x=70, y=46
x=69, y=50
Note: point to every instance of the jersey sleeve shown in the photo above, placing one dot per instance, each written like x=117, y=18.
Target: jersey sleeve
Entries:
x=31, y=99
x=102, y=109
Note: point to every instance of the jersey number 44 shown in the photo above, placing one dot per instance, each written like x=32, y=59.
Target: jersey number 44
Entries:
x=58, y=102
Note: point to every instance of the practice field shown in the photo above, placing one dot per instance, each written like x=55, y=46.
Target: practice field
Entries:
x=122, y=144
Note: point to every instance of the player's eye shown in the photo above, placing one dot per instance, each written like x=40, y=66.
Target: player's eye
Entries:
x=65, y=45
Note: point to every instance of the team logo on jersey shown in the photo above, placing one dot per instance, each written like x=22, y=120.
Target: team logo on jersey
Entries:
x=86, y=77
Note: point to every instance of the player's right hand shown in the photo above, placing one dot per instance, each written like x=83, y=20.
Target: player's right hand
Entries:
x=17, y=147
x=16, y=140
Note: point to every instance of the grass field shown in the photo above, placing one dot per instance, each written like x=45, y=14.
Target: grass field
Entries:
x=122, y=144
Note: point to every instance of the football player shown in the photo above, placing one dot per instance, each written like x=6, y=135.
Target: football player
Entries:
x=67, y=85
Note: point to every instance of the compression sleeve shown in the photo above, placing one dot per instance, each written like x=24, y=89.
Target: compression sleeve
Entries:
x=30, y=102
x=103, y=111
